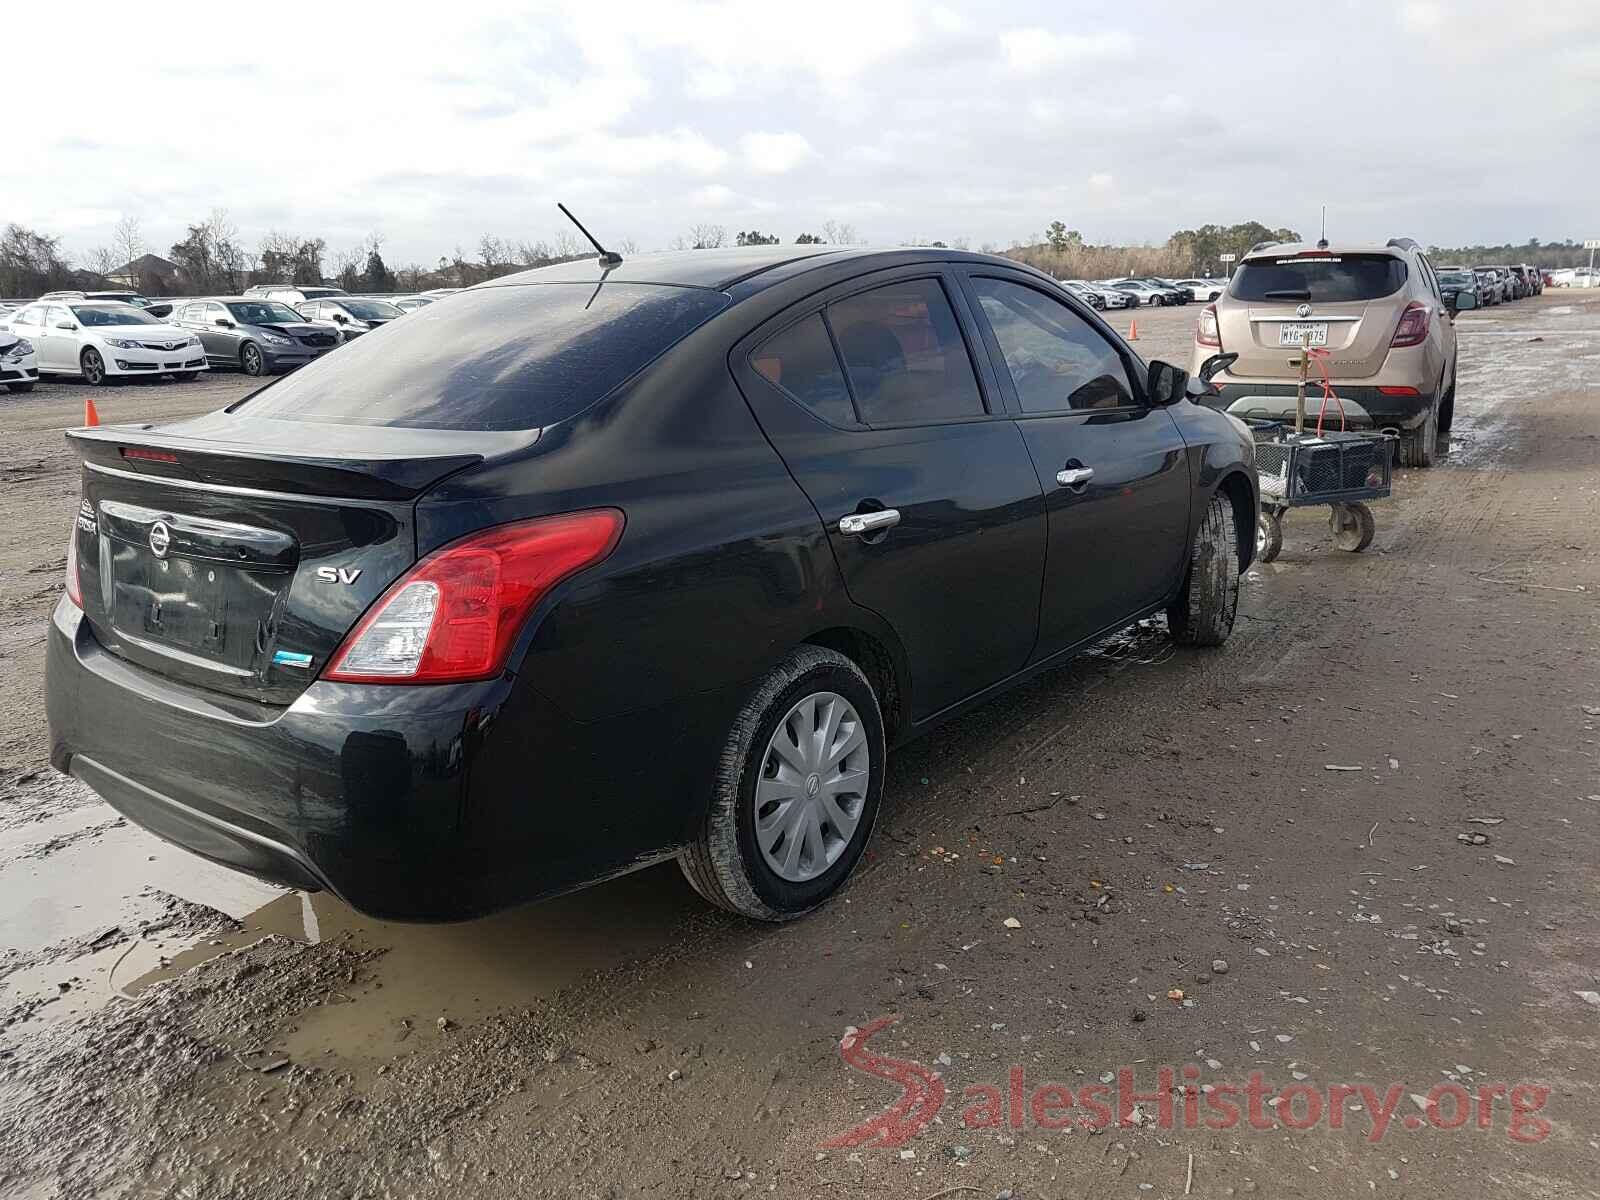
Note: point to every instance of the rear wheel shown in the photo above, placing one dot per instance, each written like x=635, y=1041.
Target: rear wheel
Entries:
x=20, y=388
x=1204, y=610
x=1418, y=448
x=250, y=360
x=1353, y=527
x=1269, y=536
x=797, y=790
x=93, y=366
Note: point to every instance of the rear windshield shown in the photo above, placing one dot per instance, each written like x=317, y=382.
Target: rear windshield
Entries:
x=1339, y=278
x=516, y=357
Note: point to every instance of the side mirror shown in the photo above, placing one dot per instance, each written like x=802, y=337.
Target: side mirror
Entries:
x=224, y=323
x=1215, y=365
x=1166, y=384
x=68, y=325
x=340, y=317
x=1465, y=299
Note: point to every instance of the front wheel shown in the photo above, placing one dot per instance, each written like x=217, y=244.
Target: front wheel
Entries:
x=250, y=360
x=1204, y=610
x=797, y=790
x=93, y=366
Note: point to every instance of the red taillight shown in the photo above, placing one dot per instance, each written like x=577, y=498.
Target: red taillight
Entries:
x=74, y=592
x=1398, y=391
x=1207, y=333
x=161, y=456
x=1413, y=327
x=455, y=616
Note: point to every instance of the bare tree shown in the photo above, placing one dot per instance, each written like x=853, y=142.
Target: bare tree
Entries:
x=127, y=242
x=839, y=233
x=534, y=254
x=707, y=237
x=103, y=261
x=568, y=245
x=347, y=264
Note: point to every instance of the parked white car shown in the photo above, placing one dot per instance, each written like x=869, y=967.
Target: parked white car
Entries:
x=19, y=366
x=1204, y=290
x=99, y=340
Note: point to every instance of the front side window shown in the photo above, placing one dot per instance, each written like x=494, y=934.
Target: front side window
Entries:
x=906, y=358
x=371, y=310
x=1057, y=360
x=801, y=361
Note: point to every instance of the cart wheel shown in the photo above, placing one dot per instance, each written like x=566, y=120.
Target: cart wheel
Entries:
x=1352, y=525
x=1269, y=536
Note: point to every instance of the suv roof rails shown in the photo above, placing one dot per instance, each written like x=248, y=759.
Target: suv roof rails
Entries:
x=1403, y=244
x=1262, y=246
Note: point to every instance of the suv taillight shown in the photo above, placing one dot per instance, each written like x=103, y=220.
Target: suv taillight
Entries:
x=1207, y=333
x=1413, y=327
x=455, y=616
x=74, y=592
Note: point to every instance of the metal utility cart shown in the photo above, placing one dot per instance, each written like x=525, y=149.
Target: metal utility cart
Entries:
x=1342, y=470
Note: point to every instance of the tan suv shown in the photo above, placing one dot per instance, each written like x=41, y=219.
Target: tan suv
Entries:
x=1390, y=337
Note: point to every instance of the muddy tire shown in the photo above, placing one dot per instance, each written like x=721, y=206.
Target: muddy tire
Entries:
x=742, y=860
x=1353, y=527
x=1204, y=610
x=1420, y=447
x=1269, y=537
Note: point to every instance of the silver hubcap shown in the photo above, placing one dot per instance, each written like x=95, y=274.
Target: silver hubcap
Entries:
x=813, y=787
x=1261, y=535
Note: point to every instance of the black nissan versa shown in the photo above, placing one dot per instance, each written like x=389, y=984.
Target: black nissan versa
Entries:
x=602, y=564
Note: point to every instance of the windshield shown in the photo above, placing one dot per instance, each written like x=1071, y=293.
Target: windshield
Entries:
x=264, y=312
x=110, y=314
x=371, y=310
x=1459, y=278
x=517, y=357
x=1323, y=279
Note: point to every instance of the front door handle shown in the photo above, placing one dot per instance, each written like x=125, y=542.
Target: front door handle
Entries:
x=1074, y=477
x=869, y=522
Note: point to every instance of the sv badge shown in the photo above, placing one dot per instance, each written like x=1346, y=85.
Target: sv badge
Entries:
x=338, y=574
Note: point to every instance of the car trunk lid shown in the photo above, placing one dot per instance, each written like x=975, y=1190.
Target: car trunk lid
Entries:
x=228, y=555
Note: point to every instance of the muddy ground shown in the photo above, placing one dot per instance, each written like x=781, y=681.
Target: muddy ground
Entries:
x=1049, y=874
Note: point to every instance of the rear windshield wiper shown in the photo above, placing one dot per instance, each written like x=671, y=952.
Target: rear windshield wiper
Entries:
x=1287, y=294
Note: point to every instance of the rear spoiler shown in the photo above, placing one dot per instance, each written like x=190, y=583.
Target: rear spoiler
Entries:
x=389, y=464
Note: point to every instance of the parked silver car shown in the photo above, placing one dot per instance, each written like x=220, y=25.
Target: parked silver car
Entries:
x=351, y=316
x=256, y=336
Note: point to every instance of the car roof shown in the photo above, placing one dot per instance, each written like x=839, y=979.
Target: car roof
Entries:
x=753, y=267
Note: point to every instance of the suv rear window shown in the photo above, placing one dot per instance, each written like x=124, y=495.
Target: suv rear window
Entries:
x=514, y=357
x=1318, y=280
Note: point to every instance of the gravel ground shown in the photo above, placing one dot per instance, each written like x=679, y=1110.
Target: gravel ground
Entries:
x=1241, y=861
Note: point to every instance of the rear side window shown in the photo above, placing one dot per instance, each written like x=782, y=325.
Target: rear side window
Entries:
x=801, y=361
x=514, y=357
x=1333, y=280
x=1056, y=359
x=907, y=360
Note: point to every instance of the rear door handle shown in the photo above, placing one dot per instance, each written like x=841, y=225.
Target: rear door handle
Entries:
x=1074, y=477
x=869, y=522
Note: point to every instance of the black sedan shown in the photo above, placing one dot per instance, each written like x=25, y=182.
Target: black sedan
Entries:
x=596, y=566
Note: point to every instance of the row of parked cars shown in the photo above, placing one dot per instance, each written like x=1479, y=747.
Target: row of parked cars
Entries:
x=98, y=336
x=1490, y=285
x=1132, y=291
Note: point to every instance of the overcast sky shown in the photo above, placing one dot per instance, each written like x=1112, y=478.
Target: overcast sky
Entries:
x=1450, y=121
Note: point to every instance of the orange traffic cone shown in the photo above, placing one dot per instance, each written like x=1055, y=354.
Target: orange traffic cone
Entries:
x=1133, y=331
x=90, y=416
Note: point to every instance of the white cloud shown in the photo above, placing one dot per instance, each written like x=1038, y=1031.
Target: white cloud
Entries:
x=775, y=153
x=1032, y=51
x=1421, y=17
x=1101, y=181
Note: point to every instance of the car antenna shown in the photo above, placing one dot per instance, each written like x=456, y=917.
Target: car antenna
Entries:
x=608, y=258
x=1322, y=242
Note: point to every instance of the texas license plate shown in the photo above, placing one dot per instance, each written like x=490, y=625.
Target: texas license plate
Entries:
x=1295, y=333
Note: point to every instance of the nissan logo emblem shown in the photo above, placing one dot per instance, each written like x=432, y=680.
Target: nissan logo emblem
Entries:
x=160, y=538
